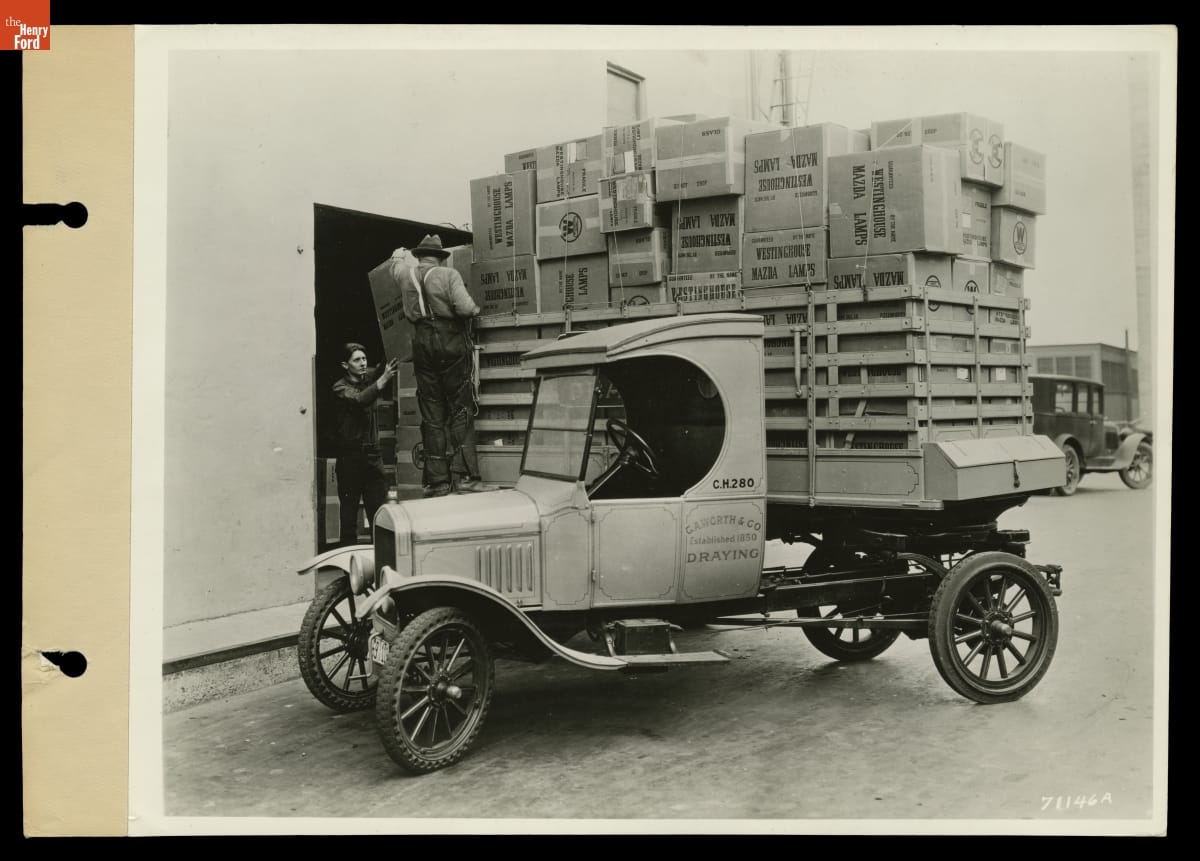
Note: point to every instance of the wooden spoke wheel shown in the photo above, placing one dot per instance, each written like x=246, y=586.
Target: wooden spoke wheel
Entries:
x=435, y=690
x=332, y=649
x=993, y=627
x=1140, y=471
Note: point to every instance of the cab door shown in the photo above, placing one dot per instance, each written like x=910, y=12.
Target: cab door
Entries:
x=636, y=545
x=1094, y=406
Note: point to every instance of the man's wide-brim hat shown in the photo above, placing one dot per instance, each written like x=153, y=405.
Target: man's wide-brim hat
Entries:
x=431, y=245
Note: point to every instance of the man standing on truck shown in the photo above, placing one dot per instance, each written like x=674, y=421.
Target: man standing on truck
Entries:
x=438, y=305
x=359, y=465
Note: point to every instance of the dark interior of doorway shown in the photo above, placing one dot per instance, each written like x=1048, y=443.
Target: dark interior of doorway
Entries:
x=347, y=245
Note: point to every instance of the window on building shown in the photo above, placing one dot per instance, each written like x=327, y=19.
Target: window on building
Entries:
x=1064, y=365
x=1083, y=367
x=626, y=98
x=1045, y=364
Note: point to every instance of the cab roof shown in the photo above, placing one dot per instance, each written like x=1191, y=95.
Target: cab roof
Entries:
x=625, y=340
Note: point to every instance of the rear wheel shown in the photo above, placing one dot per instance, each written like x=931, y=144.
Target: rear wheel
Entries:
x=1140, y=471
x=1074, y=472
x=332, y=649
x=993, y=627
x=435, y=690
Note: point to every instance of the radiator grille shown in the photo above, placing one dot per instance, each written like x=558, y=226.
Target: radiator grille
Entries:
x=385, y=547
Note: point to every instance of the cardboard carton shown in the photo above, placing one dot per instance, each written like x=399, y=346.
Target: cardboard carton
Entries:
x=970, y=275
x=706, y=234
x=704, y=286
x=394, y=328
x=1006, y=280
x=787, y=177
x=776, y=258
x=573, y=282
x=526, y=159
x=629, y=296
x=705, y=158
x=978, y=141
x=630, y=148
x=975, y=220
x=569, y=228
x=894, y=200
x=639, y=257
x=569, y=169
x=1024, y=180
x=1013, y=237
x=627, y=202
x=460, y=260
x=504, y=286
x=502, y=215
x=889, y=270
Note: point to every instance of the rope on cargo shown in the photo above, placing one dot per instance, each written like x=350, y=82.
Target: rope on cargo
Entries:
x=508, y=177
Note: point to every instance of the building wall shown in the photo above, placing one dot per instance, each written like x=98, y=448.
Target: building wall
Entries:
x=255, y=139
x=1101, y=362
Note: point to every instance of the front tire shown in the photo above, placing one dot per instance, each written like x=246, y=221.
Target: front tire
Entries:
x=1140, y=471
x=434, y=690
x=332, y=649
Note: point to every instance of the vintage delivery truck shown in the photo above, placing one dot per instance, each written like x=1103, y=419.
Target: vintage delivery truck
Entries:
x=645, y=496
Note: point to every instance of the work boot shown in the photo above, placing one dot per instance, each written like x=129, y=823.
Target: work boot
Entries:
x=473, y=484
x=437, y=490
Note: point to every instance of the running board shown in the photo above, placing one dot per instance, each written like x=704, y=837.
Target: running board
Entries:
x=673, y=659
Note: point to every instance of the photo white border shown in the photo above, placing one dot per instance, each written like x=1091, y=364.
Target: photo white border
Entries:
x=152, y=48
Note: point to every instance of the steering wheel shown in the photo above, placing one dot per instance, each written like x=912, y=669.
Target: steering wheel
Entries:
x=633, y=449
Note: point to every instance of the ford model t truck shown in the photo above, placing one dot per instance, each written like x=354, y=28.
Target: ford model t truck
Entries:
x=668, y=530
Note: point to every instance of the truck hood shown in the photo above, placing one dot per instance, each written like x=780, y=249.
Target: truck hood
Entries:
x=471, y=515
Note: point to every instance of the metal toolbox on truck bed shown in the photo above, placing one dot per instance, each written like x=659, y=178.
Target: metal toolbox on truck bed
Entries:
x=975, y=468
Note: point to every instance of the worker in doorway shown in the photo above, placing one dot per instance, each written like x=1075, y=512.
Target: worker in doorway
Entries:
x=359, y=465
x=441, y=310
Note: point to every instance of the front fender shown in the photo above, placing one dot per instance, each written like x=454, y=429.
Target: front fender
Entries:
x=475, y=592
x=339, y=558
x=1128, y=449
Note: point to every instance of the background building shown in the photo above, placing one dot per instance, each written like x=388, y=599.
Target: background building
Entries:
x=1117, y=368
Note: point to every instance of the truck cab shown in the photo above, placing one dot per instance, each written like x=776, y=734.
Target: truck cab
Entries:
x=642, y=481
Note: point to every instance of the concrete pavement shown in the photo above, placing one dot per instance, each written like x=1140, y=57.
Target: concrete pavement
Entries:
x=780, y=734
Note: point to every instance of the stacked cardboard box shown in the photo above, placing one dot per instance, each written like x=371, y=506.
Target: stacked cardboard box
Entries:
x=896, y=255
x=569, y=169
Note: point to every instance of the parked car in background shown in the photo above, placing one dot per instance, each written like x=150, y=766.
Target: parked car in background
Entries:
x=1070, y=410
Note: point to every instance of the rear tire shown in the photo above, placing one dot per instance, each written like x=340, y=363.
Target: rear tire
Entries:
x=1074, y=472
x=993, y=608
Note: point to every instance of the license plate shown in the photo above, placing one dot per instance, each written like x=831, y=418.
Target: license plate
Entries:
x=377, y=649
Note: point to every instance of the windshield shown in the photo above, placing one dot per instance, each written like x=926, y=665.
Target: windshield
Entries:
x=560, y=426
